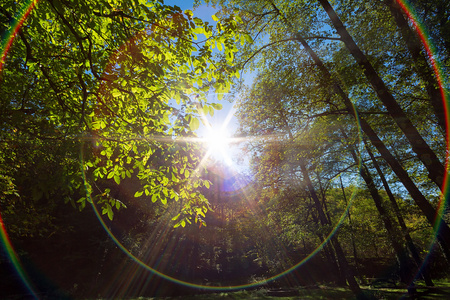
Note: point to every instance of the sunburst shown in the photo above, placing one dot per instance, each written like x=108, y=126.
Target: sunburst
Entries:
x=217, y=142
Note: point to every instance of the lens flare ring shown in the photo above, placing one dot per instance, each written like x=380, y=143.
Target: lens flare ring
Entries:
x=13, y=257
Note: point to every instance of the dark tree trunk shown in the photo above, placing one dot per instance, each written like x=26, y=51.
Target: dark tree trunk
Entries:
x=428, y=210
x=420, y=62
x=330, y=256
x=322, y=219
x=352, y=235
x=344, y=267
x=337, y=273
x=393, y=234
x=343, y=263
x=409, y=242
x=436, y=170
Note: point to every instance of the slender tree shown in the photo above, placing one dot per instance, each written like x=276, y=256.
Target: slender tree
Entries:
x=394, y=235
x=435, y=168
x=412, y=248
x=421, y=201
x=421, y=63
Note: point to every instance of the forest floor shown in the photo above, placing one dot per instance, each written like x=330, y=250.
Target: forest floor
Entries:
x=440, y=291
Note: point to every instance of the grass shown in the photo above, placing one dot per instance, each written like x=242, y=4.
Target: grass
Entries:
x=441, y=291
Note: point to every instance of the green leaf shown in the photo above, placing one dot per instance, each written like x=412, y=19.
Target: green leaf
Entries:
x=217, y=106
x=205, y=109
x=110, y=214
x=198, y=30
x=138, y=194
x=194, y=124
x=174, y=178
x=215, y=18
x=117, y=179
x=110, y=175
x=116, y=93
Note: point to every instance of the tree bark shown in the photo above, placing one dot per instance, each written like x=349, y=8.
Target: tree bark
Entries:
x=394, y=235
x=436, y=170
x=352, y=235
x=420, y=62
x=343, y=263
x=430, y=213
x=342, y=260
x=409, y=242
x=331, y=257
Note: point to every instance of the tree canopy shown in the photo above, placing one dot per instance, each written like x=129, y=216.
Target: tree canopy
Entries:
x=344, y=121
x=97, y=79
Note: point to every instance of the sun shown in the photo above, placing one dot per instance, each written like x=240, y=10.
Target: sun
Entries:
x=217, y=142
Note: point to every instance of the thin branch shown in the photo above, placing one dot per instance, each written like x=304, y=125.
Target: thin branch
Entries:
x=286, y=40
x=266, y=46
x=262, y=29
x=124, y=15
x=71, y=28
x=322, y=38
x=346, y=112
x=54, y=88
x=85, y=95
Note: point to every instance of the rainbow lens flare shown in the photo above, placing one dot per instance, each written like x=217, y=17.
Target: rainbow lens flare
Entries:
x=7, y=42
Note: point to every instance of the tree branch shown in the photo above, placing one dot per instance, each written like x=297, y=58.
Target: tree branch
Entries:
x=70, y=27
x=266, y=46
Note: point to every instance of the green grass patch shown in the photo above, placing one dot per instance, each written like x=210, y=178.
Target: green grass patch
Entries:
x=440, y=291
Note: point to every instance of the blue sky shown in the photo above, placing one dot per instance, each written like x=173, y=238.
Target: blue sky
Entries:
x=225, y=115
x=205, y=12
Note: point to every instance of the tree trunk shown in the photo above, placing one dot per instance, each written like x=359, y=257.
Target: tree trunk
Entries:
x=409, y=242
x=420, y=62
x=430, y=213
x=393, y=234
x=343, y=263
x=342, y=260
x=352, y=235
x=436, y=170
x=339, y=273
x=330, y=255
x=340, y=266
